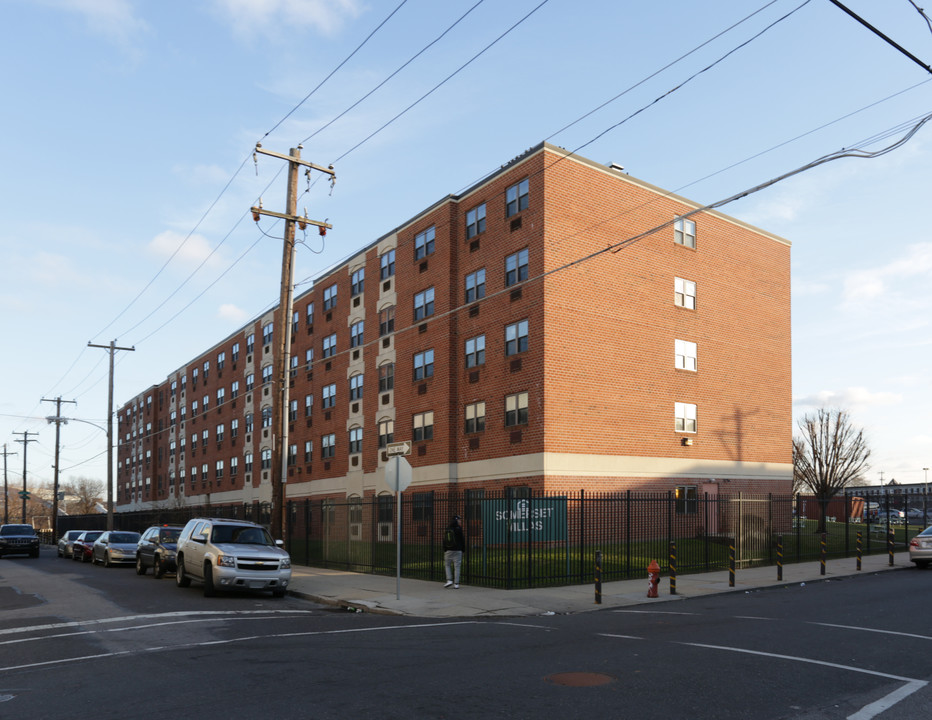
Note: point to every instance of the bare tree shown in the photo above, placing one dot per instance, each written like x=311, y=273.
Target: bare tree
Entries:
x=84, y=495
x=828, y=456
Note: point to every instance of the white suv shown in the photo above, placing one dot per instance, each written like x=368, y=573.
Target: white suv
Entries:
x=231, y=555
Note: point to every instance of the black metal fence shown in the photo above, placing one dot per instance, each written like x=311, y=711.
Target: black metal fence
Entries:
x=551, y=539
x=530, y=540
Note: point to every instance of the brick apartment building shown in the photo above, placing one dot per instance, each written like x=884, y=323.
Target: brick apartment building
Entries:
x=516, y=340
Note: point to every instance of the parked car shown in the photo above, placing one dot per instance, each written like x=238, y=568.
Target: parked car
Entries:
x=66, y=543
x=229, y=554
x=156, y=549
x=115, y=547
x=19, y=540
x=83, y=545
x=920, y=548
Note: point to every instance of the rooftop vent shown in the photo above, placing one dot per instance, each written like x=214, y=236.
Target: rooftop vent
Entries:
x=616, y=166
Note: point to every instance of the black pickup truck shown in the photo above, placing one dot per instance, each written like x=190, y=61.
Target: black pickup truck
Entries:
x=18, y=540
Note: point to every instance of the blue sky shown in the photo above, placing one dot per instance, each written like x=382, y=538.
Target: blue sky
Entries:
x=124, y=121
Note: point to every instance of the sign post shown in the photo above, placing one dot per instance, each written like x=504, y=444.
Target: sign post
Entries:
x=398, y=476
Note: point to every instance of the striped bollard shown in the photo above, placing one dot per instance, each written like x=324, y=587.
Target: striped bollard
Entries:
x=731, y=564
x=673, y=567
x=890, y=544
x=859, y=550
x=779, y=558
x=598, y=577
x=822, y=548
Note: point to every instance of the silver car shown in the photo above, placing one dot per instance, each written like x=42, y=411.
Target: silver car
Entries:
x=920, y=548
x=66, y=543
x=229, y=554
x=115, y=547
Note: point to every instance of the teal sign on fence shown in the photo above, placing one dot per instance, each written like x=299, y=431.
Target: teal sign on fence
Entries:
x=522, y=519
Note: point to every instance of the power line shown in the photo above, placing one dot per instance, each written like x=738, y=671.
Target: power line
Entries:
x=883, y=37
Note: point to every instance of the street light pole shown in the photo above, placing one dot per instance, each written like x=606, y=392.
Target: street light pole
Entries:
x=925, y=496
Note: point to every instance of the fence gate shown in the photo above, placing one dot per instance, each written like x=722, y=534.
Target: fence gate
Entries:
x=749, y=518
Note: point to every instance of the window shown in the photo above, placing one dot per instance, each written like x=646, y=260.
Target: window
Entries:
x=387, y=264
x=516, y=267
x=355, y=441
x=308, y=358
x=206, y=370
x=308, y=405
x=193, y=408
x=684, y=293
x=328, y=445
x=292, y=410
x=386, y=377
x=475, y=351
x=387, y=320
x=267, y=416
x=292, y=455
x=247, y=462
x=234, y=352
x=295, y=317
x=265, y=459
x=386, y=508
x=234, y=466
x=174, y=388
x=475, y=286
x=171, y=448
x=308, y=450
x=309, y=314
x=424, y=243
x=516, y=338
x=685, y=355
x=423, y=426
x=250, y=382
x=686, y=500
x=516, y=409
x=386, y=432
x=330, y=345
x=250, y=422
x=234, y=389
x=684, y=232
x=424, y=304
x=424, y=365
x=205, y=435
x=330, y=298
x=194, y=377
x=685, y=417
x=516, y=198
x=329, y=395
x=358, y=282
x=475, y=417
x=221, y=396
x=355, y=387
x=218, y=469
x=219, y=432
x=234, y=427
x=205, y=403
x=204, y=473
x=423, y=507
x=221, y=360
x=357, y=330
x=173, y=418
x=266, y=374
x=267, y=331
x=250, y=343
x=475, y=221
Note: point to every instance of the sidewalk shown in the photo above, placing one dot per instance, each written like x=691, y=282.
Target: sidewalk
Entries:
x=419, y=598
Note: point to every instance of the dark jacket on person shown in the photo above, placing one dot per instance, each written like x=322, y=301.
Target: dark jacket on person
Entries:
x=459, y=540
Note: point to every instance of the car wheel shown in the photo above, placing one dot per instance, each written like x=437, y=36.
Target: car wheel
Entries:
x=181, y=578
x=107, y=562
x=921, y=563
x=209, y=590
x=140, y=568
x=157, y=571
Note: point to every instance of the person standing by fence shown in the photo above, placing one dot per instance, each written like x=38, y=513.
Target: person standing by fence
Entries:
x=454, y=542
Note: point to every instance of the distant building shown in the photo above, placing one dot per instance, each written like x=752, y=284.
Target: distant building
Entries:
x=496, y=333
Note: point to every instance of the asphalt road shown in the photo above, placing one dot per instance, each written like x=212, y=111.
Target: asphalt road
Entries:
x=78, y=641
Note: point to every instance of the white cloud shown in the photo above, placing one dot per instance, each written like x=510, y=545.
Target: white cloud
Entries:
x=849, y=398
x=114, y=19
x=231, y=312
x=248, y=17
x=868, y=285
x=192, y=251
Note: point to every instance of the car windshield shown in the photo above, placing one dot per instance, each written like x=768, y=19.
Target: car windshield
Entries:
x=240, y=534
x=17, y=530
x=124, y=537
x=927, y=531
x=91, y=536
x=169, y=535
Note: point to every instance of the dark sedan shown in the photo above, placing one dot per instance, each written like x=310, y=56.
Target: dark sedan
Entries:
x=156, y=549
x=83, y=546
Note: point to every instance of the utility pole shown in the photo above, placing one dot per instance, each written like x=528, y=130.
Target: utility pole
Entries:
x=25, y=441
x=112, y=347
x=6, y=492
x=58, y=420
x=286, y=311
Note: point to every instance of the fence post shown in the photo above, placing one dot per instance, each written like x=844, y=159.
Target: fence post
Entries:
x=598, y=577
x=731, y=563
x=673, y=567
x=822, y=547
x=859, y=550
x=890, y=543
x=779, y=558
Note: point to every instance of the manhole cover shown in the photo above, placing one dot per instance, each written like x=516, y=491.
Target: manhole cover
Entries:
x=580, y=679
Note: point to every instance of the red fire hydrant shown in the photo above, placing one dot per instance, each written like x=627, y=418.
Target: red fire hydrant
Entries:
x=653, y=579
